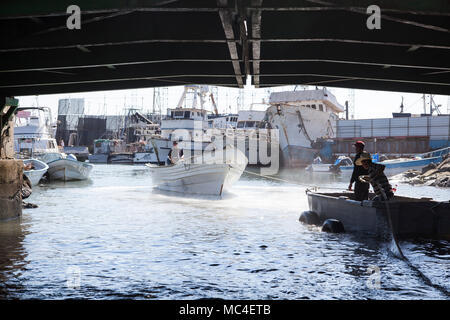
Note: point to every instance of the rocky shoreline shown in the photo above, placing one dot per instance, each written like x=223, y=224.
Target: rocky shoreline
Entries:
x=437, y=175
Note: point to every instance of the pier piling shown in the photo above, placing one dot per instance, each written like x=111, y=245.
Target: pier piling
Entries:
x=11, y=170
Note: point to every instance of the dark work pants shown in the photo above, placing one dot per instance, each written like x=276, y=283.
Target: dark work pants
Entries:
x=361, y=191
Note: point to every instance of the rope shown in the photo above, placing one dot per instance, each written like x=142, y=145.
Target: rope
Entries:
x=289, y=181
x=400, y=254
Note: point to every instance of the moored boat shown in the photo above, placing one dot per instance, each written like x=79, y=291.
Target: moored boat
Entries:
x=67, y=167
x=208, y=174
x=33, y=139
x=302, y=118
x=410, y=217
x=38, y=171
x=344, y=165
x=396, y=166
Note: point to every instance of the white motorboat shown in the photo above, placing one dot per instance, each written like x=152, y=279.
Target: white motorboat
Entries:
x=33, y=139
x=67, y=167
x=210, y=173
x=38, y=171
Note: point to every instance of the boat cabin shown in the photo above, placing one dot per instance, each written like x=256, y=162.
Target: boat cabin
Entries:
x=250, y=119
x=189, y=123
x=320, y=100
x=223, y=121
x=186, y=114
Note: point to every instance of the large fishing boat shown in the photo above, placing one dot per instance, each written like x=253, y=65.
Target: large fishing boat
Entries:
x=187, y=125
x=302, y=117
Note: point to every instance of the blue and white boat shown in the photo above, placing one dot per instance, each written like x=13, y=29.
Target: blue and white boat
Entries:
x=395, y=166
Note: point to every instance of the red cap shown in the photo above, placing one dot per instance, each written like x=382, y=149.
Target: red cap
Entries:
x=359, y=142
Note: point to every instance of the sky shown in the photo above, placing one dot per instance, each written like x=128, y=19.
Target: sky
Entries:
x=368, y=103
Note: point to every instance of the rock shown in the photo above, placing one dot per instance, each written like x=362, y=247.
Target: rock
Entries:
x=430, y=183
x=429, y=167
x=443, y=181
x=411, y=173
x=444, y=167
x=430, y=172
x=27, y=205
x=432, y=175
x=27, y=190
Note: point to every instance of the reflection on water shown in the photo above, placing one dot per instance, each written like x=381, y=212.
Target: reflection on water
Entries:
x=119, y=238
x=12, y=256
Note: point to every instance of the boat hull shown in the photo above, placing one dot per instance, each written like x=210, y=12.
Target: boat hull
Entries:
x=68, y=170
x=297, y=157
x=98, y=158
x=150, y=157
x=298, y=128
x=395, y=167
x=35, y=175
x=411, y=217
x=121, y=158
x=210, y=177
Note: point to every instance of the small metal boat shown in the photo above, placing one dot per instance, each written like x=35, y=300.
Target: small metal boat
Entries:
x=207, y=174
x=38, y=171
x=410, y=217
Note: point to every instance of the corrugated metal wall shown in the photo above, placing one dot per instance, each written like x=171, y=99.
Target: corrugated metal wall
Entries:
x=435, y=127
x=385, y=145
x=394, y=135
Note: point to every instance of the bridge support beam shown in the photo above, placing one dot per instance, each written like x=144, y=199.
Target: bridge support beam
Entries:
x=11, y=170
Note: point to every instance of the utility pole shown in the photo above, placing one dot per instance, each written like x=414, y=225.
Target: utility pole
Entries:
x=346, y=110
x=424, y=104
x=351, y=103
x=431, y=104
x=448, y=105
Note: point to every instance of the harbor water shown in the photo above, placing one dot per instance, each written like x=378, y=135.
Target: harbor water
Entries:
x=114, y=237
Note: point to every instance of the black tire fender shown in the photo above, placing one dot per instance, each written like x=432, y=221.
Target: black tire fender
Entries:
x=309, y=217
x=333, y=226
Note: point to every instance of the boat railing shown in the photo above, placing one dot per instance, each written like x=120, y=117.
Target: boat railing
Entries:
x=435, y=153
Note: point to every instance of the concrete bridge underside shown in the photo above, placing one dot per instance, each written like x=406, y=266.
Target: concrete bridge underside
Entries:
x=129, y=44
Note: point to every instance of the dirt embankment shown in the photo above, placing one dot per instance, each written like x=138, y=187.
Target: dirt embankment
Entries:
x=431, y=175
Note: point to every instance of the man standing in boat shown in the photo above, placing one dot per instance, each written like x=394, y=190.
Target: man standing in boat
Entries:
x=175, y=154
x=376, y=177
x=361, y=189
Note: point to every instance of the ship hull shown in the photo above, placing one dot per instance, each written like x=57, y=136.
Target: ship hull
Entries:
x=297, y=157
